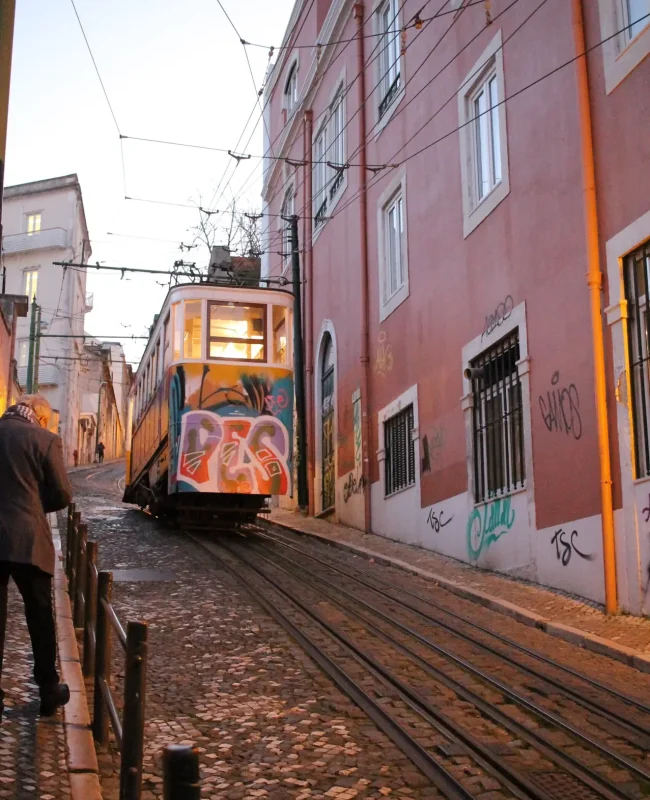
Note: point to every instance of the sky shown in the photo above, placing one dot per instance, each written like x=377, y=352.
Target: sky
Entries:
x=172, y=70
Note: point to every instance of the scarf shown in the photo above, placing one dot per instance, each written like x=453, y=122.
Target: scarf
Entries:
x=22, y=412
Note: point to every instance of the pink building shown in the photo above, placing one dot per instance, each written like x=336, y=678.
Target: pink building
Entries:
x=471, y=388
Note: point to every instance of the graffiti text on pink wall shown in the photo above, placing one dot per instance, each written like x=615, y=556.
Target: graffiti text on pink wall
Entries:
x=241, y=455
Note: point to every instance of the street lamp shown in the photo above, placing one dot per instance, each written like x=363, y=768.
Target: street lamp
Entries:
x=99, y=406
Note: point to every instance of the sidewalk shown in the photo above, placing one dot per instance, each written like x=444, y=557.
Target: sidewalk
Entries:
x=94, y=465
x=38, y=756
x=624, y=638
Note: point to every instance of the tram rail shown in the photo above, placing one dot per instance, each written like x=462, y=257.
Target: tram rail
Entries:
x=467, y=713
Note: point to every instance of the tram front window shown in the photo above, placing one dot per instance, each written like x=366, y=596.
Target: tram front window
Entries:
x=237, y=332
x=192, y=337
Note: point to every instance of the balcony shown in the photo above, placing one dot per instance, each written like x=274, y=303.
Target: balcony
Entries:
x=89, y=303
x=49, y=238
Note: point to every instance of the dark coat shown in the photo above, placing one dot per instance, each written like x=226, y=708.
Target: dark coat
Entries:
x=33, y=481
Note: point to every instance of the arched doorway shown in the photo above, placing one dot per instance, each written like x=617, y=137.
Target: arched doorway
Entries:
x=328, y=469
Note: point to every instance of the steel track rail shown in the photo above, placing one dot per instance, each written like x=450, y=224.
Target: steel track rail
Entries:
x=621, y=696
x=529, y=705
x=587, y=777
x=436, y=773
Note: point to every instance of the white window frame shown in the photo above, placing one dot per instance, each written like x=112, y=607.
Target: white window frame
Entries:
x=407, y=398
x=389, y=301
x=290, y=193
x=28, y=288
x=37, y=216
x=476, y=207
x=621, y=53
x=326, y=148
x=290, y=95
x=382, y=70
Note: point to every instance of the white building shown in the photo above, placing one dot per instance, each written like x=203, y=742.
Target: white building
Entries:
x=44, y=222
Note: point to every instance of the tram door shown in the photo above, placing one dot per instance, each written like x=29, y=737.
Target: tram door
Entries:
x=327, y=425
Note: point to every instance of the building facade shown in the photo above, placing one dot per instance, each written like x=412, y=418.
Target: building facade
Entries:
x=12, y=307
x=475, y=246
x=44, y=222
x=106, y=380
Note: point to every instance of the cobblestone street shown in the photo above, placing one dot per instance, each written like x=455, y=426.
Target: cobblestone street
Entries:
x=32, y=750
x=225, y=677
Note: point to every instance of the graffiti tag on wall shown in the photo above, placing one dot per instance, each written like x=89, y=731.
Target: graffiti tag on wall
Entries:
x=384, y=357
x=561, y=408
x=568, y=546
x=485, y=526
x=234, y=453
x=437, y=521
x=355, y=483
x=500, y=314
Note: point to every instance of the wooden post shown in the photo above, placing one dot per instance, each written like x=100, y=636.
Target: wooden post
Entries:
x=80, y=576
x=90, y=615
x=102, y=658
x=135, y=683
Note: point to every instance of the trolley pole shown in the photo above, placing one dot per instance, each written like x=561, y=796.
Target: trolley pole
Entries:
x=299, y=369
x=37, y=348
x=32, y=349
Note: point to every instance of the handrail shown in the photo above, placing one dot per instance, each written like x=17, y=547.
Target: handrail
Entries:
x=117, y=625
x=112, y=709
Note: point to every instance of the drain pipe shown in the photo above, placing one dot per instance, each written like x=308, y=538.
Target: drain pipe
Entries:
x=595, y=284
x=309, y=305
x=366, y=417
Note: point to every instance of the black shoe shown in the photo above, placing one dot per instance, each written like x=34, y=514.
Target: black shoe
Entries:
x=54, y=698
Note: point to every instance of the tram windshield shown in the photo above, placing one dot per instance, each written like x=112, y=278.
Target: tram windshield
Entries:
x=237, y=331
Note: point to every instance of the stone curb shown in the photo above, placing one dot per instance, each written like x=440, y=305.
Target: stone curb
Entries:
x=597, y=644
x=83, y=769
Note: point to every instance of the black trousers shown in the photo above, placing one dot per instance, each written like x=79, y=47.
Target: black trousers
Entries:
x=35, y=586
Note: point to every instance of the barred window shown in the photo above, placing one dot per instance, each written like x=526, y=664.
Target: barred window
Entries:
x=400, y=451
x=498, y=431
x=637, y=267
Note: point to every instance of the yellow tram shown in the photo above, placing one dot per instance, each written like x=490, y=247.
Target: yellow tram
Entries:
x=211, y=416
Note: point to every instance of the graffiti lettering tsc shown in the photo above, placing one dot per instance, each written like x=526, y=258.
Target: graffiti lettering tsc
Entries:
x=568, y=547
x=437, y=521
x=486, y=525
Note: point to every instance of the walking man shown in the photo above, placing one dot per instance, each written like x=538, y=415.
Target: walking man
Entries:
x=100, y=452
x=33, y=482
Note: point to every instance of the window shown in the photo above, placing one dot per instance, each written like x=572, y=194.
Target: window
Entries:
x=176, y=331
x=389, y=54
x=497, y=420
x=483, y=137
x=288, y=210
x=280, y=314
x=31, y=282
x=237, y=332
x=636, y=280
x=33, y=224
x=487, y=141
x=291, y=89
x=192, y=337
x=394, y=246
x=329, y=146
x=22, y=352
x=625, y=36
x=399, y=446
x=167, y=344
x=320, y=175
x=635, y=17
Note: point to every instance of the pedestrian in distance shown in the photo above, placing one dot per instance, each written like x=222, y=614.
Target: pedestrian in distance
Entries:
x=100, y=451
x=75, y=455
x=33, y=482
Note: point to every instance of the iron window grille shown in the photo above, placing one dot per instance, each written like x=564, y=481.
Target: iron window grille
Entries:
x=637, y=294
x=400, y=451
x=497, y=421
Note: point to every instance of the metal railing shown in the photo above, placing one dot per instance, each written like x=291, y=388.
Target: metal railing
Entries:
x=91, y=594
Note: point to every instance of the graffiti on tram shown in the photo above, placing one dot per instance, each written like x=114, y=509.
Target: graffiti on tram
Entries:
x=230, y=428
